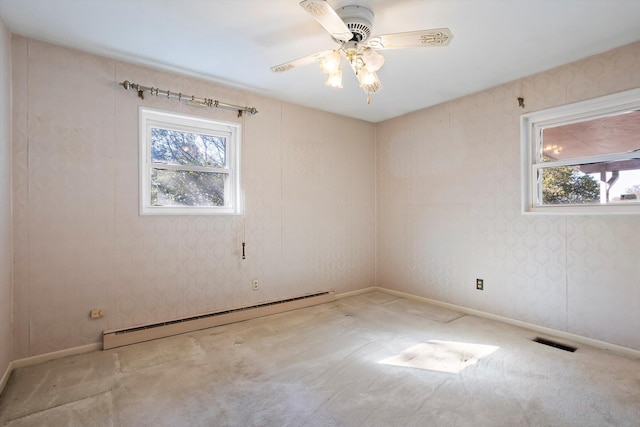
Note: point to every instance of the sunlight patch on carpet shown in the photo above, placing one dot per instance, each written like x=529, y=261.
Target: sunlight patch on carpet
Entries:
x=442, y=356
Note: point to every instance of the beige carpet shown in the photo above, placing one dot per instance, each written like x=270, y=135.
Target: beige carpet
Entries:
x=369, y=360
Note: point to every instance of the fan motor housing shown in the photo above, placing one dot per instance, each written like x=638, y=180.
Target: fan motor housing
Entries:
x=358, y=19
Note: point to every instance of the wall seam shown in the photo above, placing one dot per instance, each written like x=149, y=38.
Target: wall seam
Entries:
x=566, y=274
x=28, y=202
x=114, y=247
x=281, y=184
x=11, y=220
x=375, y=204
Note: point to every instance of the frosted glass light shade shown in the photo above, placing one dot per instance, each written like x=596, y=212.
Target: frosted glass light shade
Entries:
x=335, y=79
x=372, y=59
x=331, y=63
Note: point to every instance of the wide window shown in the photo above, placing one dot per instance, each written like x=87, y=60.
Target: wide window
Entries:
x=583, y=157
x=188, y=165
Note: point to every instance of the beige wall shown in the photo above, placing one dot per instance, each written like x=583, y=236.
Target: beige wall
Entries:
x=80, y=243
x=448, y=193
x=5, y=200
x=448, y=197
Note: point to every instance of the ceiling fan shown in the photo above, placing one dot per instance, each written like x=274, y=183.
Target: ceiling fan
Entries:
x=350, y=26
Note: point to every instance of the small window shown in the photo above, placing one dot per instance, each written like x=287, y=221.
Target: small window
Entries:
x=583, y=158
x=188, y=165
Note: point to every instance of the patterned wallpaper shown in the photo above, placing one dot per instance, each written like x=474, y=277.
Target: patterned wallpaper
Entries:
x=5, y=199
x=308, y=178
x=434, y=193
x=448, y=189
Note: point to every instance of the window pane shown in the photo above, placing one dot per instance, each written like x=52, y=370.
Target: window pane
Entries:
x=622, y=185
x=187, y=148
x=594, y=183
x=604, y=135
x=585, y=157
x=186, y=188
x=567, y=185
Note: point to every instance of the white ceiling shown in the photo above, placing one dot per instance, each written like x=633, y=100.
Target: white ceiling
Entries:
x=235, y=42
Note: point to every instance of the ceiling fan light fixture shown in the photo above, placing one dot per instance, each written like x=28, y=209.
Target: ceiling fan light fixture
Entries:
x=335, y=79
x=372, y=59
x=351, y=26
x=369, y=82
x=367, y=77
x=331, y=63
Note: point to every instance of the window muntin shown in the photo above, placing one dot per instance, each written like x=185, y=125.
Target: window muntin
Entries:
x=189, y=165
x=583, y=157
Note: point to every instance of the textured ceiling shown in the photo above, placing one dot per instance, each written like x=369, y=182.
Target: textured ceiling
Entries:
x=235, y=42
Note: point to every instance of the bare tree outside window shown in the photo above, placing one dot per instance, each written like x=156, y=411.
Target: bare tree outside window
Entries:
x=188, y=165
x=171, y=187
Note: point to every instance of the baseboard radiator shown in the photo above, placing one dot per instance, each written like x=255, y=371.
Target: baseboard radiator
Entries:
x=136, y=334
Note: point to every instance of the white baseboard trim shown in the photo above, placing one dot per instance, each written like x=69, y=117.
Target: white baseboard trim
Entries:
x=34, y=360
x=625, y=351
x=5, y=376
x=357, y=292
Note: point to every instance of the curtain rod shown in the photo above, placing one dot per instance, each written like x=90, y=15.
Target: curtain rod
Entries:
x=202, y=102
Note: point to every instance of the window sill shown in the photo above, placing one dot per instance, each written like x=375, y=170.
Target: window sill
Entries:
x=624, y=208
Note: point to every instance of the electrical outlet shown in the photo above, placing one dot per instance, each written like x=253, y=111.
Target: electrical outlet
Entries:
x=480, y=284
x=254, y=284
x=96, y=313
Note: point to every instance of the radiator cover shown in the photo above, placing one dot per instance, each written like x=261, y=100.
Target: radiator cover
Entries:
x=136, y=334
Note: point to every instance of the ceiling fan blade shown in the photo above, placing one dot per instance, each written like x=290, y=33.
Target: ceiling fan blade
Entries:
x=328, y=18
x=309, y=59
x=423, y=38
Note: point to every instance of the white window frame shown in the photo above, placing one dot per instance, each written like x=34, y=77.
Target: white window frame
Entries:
x=531, y=127
x=149, y=118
